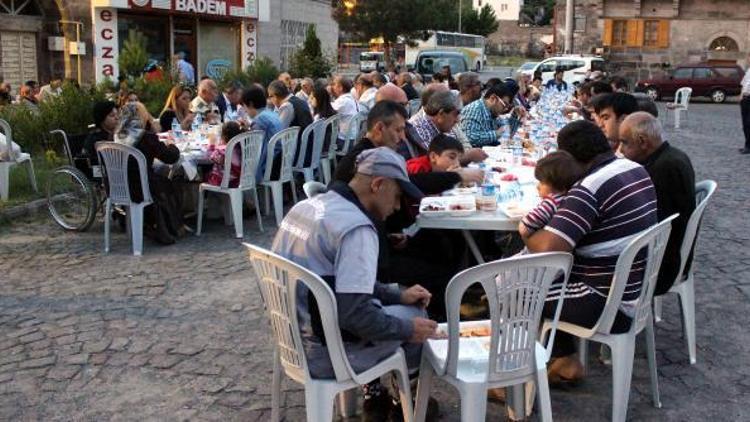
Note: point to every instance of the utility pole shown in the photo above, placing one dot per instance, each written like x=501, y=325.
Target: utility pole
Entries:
x=569, y=22
x=459, y=15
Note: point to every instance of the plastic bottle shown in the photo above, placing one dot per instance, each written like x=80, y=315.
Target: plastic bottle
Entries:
x=487, y=199
x=196, y=123
x=517, y=151
x=176, y=129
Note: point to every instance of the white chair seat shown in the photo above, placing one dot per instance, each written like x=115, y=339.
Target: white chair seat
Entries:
x=24, y=156
x=16, y=157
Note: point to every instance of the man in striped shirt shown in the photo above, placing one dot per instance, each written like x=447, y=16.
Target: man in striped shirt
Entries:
x=479, y=120
x=613, y=202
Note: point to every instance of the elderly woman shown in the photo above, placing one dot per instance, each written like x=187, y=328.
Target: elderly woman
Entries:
x=163, y=221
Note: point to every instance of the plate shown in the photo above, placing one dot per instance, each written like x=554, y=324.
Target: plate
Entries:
x=442, y=206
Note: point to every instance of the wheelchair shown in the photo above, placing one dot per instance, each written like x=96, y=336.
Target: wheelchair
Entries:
x=75, y=192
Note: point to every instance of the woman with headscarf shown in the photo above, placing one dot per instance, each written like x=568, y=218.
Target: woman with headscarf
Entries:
x=106, y=119
x=163, y=219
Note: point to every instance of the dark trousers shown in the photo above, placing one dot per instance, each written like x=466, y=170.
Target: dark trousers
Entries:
x=584, y=311
x=745, y=111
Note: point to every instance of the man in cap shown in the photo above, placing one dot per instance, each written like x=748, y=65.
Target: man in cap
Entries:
x=335, y=235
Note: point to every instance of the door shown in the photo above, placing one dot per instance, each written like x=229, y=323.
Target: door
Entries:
x=18, y=58
x=680, y=77
x=704, y=79
x=184, y=40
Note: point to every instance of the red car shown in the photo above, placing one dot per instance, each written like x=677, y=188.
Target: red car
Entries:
x=707, y=80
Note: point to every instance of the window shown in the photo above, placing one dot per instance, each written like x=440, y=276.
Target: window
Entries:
x=292, y=37
x=651, y=33
x=548, y=66
x=619, y=33
x=683, y=73
x=724, y=44
x=728, y=72
x=579, y=24
x=503, y=7
x=703, y=73
x=597, y=65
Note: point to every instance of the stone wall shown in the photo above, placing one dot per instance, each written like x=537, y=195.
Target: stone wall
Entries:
x=511, y=39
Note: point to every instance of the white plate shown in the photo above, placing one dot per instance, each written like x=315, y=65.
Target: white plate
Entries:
x=467, y=205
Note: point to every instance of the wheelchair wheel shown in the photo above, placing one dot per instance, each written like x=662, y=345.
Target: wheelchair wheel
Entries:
x=71, y=199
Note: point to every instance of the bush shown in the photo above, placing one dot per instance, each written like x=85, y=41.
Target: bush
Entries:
x=133, y=57
x=262, y=71
x=153, y=94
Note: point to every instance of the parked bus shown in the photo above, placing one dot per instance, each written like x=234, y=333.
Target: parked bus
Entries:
x=472, y=47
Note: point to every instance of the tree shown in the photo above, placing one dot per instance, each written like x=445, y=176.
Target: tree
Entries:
x=133, y=57
x=481, y=23
x=538, y=12
x=386, y=19
x=309, y=60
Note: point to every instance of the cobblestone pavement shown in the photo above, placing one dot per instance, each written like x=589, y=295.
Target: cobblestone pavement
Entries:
x=178, y=333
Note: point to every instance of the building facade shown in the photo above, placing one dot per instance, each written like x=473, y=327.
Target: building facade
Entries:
x=505, y=10
x=81, y=39
x=644, y=37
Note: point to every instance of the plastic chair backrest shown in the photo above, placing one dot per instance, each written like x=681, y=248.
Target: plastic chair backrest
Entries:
x=334, y=122
x=516, y=289
x=313, y=188
x=654, y=240
x=278, y=279
x=318, y=131
x=288, y=139
x=704, y=190
x=682, y=96
x=5, y=128
x=251, y=144
x=115, y=157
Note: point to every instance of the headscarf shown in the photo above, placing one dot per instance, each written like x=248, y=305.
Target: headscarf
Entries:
x=131, y=127
x=102, y=110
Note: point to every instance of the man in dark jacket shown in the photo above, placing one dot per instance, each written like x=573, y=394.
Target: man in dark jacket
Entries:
x=674, y=179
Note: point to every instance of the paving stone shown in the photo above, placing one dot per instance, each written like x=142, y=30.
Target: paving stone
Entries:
x=96, y=346
x=63, y=373
x=164, y=361
x=119, y=343
x=79, y=359
x=29, y=338
x=37, y=363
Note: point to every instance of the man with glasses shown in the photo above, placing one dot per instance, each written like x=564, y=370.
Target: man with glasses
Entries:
x=479, y=120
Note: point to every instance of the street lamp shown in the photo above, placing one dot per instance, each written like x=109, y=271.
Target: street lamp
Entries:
x=459, y=15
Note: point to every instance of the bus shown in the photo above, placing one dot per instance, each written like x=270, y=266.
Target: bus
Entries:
x=371, y=60
x=472, y=47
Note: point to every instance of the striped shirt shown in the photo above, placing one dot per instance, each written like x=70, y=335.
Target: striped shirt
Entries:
x=601, y=214
x=543, y=213
x=478, y=124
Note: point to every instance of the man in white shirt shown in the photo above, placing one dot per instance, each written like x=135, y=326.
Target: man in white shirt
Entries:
x=344, y=104
x=745, y=109
x=367, y=92
x=205, y=103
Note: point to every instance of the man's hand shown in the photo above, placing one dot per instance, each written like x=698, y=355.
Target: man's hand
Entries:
x=398, y=240
x=499, y=132
x=423, y=329
x=416, y=295
x=475, y=155
x=469, y=176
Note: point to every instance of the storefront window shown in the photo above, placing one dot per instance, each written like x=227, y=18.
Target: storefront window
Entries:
x=218, y=52
x=155, y=31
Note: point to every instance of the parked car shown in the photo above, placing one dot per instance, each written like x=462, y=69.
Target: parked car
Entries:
x=576, y=67
x=707, y=80
x=429, y=62
x=526, y=67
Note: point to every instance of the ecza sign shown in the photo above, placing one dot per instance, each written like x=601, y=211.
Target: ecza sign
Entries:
x=105, y=41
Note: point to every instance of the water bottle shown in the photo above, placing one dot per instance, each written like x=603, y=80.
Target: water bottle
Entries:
x=196, y=123
x=517, y=151
x=176, y=129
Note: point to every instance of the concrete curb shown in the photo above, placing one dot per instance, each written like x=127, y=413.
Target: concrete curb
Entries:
x=29, y=209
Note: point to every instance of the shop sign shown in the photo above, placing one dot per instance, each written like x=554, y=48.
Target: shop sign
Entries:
x=105, y=44
x=249, y=36
x=228, y=8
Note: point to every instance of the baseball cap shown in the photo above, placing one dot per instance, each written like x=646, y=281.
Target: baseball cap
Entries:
x=384, y=162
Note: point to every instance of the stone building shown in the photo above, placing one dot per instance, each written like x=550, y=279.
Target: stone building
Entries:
x=38, y=37
x=644, y=37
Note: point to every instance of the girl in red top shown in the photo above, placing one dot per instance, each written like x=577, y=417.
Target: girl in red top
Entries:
x=217, y=154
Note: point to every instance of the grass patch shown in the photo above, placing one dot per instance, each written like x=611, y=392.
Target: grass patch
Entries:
x=511, y=61
x=20, y=185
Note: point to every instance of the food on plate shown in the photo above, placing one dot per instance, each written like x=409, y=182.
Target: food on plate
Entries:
x=499, y=169
x=528, y=162
x=510, y=177
x=434, y=207
x=459, y=207
x=475, y=332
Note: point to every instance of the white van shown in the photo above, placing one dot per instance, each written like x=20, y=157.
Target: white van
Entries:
x=575, y=67
x=371, y=60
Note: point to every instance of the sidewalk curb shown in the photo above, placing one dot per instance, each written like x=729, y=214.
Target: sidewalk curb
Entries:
x=28, y=209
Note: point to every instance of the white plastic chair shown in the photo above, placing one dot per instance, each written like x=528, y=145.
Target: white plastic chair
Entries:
x=350, y=137
x=114, y=159
x=685, y=287
x=313, y=188
x=654, y=240
x=288, y=140
x=13, y=158
x=251, y=144
x=278, y=279
x=318, y=132
x=328, y=159
x=680, y=104
x=516, y=288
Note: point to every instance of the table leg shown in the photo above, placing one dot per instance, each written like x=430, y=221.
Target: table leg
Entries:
x=473, y=246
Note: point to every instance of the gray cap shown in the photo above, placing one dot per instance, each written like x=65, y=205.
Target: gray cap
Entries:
x=384, y=162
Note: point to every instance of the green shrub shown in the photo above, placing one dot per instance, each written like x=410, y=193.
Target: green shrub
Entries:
x=153, y=94
x=309, y=61
x=262, y=71
x=133, y=57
